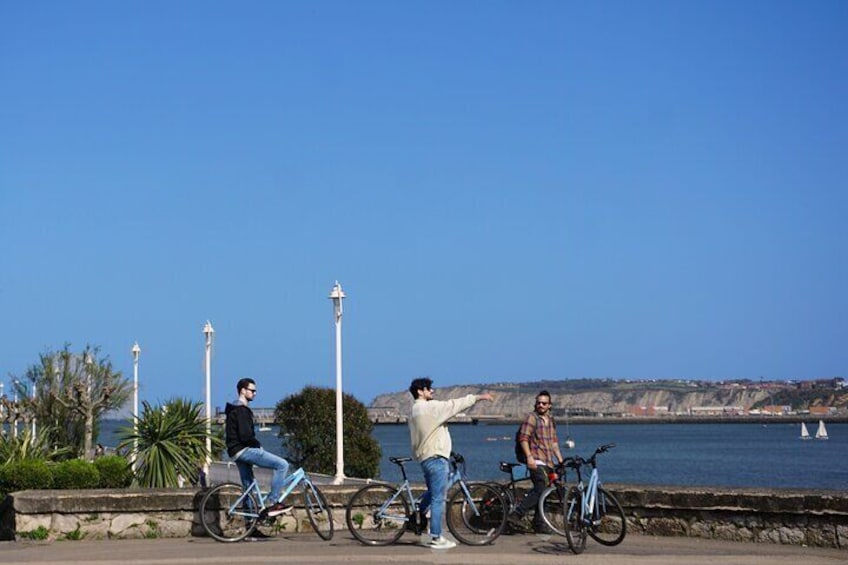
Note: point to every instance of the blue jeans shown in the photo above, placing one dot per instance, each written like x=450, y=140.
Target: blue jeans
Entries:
x=261, y=458
x=436, y=471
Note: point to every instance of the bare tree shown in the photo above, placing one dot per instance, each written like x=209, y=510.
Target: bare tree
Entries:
x=73, y=391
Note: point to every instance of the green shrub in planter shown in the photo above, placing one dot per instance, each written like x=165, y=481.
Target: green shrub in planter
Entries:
x=75, y=473
x=25, y=475
x=115, y=471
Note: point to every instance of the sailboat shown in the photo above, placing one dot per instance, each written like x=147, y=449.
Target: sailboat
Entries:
x=804, y=433
x=821, y=433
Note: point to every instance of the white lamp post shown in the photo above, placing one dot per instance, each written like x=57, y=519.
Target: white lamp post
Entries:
x=208, y=331
x=15, y=384
x=336, y=295
x=136, y=350
x=34, y=390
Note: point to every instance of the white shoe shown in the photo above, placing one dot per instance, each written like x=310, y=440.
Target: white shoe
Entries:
x=439, y=543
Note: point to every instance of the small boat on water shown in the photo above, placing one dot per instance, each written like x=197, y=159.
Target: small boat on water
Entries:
x=805, y=434
x=821, y=433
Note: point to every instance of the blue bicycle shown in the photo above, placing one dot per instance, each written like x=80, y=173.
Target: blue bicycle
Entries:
x=590, y=509
x=230, y=512
x=379, y=514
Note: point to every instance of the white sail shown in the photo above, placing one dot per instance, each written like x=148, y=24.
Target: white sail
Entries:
x=821, y=433
x=804, y=433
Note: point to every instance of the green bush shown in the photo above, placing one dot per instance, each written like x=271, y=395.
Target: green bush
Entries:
x=24, y=475
x=115, y=471
x=75, y=473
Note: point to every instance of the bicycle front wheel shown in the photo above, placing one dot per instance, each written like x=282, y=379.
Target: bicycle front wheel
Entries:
x=608, y=525
x=226, y=515
x=318, y=510
x=575, y=529
x=476, y=517
x=377, y=514
x=552, y=508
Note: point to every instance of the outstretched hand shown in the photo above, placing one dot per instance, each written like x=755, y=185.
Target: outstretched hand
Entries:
x=485, y=396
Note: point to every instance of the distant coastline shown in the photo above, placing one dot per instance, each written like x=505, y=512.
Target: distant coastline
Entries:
x=757, y=419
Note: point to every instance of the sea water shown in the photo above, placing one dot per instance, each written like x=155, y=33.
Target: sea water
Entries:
x=732, y=455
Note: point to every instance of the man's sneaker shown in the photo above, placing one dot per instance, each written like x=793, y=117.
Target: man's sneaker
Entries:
x=515, y=520
x=277, y=509
x=439, y=543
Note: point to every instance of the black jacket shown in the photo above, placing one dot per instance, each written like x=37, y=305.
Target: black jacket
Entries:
x=239, y=428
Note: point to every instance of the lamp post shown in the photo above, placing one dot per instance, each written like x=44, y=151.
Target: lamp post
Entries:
x=136, y=350
x=208, y=331
x=336, y=295
x=15, y=384
x=34, y=390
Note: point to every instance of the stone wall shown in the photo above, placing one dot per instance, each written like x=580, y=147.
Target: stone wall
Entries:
x=814, y=518
x=796, y=517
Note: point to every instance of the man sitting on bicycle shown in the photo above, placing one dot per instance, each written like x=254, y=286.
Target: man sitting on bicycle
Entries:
x=245, y=449
x=539, y=442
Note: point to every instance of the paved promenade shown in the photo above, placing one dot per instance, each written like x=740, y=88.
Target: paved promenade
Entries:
x=512, y=550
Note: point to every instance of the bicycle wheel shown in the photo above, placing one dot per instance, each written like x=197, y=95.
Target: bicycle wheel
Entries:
x=476, y=518
x=318, y=510
x=608, y=525
x=575, y=529
x=506, y=493
x=377, y=514
x=225, y=520
x=551, y=508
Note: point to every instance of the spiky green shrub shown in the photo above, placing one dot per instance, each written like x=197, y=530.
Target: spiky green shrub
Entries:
x=25, y=475
x=171, y=443
x=115, y=471
x=26, y=446
x=75, y=473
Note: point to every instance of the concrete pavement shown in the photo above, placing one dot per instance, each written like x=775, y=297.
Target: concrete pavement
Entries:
x=514, y=549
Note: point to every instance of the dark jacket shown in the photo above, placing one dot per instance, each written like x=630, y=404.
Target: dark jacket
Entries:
x=239, y=428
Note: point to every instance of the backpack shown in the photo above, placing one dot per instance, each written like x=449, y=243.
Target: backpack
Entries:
x=519, y=451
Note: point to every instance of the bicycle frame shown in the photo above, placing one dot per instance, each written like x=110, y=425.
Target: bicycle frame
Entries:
x=456, y=475
x=291, y=482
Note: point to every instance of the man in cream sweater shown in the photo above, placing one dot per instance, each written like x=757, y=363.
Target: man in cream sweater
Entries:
x=431, y=446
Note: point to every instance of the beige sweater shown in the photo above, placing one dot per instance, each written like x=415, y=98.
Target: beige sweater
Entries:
x=428, y=431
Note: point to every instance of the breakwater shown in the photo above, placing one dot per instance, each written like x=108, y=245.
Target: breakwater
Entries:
x=786, y=516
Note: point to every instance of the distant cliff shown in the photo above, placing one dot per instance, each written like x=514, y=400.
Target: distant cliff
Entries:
x=593, y=397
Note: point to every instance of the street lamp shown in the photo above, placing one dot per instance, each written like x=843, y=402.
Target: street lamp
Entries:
x=15, y=384
x=208, y=331
x=34, y=390
x=336, y=295
x=135, y=352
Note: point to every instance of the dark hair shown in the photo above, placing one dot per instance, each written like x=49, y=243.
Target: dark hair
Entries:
x=419, y=384
x=243, y=384
x=544, y=393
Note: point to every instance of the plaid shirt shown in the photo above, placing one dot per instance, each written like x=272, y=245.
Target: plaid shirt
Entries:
x=542, y=437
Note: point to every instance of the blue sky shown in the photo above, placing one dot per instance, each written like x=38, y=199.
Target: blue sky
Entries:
x=506, y=191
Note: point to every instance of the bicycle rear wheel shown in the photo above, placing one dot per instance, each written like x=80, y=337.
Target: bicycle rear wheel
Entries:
x=575, y=529
x=552, y=508
x=476, y=518
x=377, y=514
x=318, y=510
x=223, y=518
x=608, y=522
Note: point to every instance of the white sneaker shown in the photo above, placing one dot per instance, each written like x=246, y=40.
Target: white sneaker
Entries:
x=440, y=542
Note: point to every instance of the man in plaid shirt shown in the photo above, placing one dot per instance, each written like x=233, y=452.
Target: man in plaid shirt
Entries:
x=538, y=439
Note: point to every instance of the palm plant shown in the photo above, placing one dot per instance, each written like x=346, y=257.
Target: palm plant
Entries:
x=28, y=446
x=171, y=443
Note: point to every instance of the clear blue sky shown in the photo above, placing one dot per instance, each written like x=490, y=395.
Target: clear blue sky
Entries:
x=506, y=191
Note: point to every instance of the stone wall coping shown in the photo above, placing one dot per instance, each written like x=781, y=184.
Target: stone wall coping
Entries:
x=786, y=501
